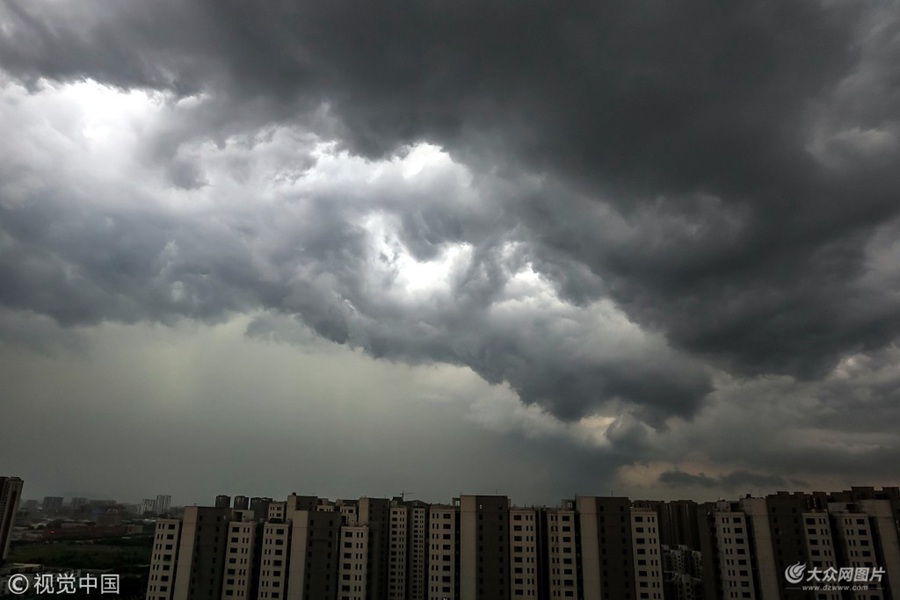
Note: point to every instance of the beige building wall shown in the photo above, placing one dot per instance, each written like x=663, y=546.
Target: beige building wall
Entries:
x=376, y=513
x=881, y=516
x=648, y=579
x=818, y=537
x=589, y=523
x=523, y=531
x=468, y=552
x=277, y=511
x=273, y=569
x=353, y=562
x=314, y=554
x=397, y=554
x=484, y=567
x=562, y=554
x=733, y=554
x=442, y=553
x=349, y=511
x=606, y=547
x=756, y=520
x=854, y=543
x=240, y=558
x=201, y=553
x=163, y=561
x=417, y=576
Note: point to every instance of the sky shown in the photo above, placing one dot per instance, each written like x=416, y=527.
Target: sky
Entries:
x=630, y=247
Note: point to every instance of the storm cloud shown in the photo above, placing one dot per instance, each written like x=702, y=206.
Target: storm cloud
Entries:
x=626, y=211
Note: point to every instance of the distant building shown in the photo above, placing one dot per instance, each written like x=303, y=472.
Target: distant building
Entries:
x=77, y=503
x=223, y=501
x=260, y=507
x=148, y=506
x=163, y=502
x=682, y=573
x=241, y=502
x=10, y=495
x=52, y=505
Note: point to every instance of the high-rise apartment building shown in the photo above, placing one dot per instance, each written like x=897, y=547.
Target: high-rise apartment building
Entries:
x=353, y=566
x=260, y=506
x=482, y=547
x=443, y=552
x=52, y=505
x=417, y=550
x=749, y=546
x=375, y=513
x=398, y=557
x=525, y=552
x=163, y=503
x=648, y=579
x=166, y=542
x=10, y=495
x=678, y=525
x=314, y=555
x=882, y=514
x=607, y=567
x=728, y=552
x=201, y=553
x=241, y=550
x=559, y=532
x=854, y=541
x=274, y=553
x=682, y=573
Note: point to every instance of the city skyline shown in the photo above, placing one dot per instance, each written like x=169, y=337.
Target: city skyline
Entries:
x=484, y=546
x=643, y=249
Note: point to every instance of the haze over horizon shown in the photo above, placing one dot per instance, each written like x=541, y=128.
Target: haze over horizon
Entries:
x=354, y=249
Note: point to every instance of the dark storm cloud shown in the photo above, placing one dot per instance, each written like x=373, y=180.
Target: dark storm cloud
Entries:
x=312, y=261
x=732, y=481
x=718, y=170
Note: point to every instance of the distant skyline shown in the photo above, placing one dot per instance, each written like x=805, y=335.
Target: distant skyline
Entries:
x=648, y=248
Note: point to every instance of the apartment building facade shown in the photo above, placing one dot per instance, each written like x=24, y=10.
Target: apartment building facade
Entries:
x=481, y=547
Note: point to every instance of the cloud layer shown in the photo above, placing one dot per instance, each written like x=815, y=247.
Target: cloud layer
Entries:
x=631, y=214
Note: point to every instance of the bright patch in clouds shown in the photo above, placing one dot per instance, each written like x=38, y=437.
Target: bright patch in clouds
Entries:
x=109, y=114
x=423, y=157
x=397, y=270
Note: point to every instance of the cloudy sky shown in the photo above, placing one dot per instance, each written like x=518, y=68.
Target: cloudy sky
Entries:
x=640, y=247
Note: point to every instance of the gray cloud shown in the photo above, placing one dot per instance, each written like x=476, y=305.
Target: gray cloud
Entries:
x=696, y=123
x=732, y=481
x=643, y=198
